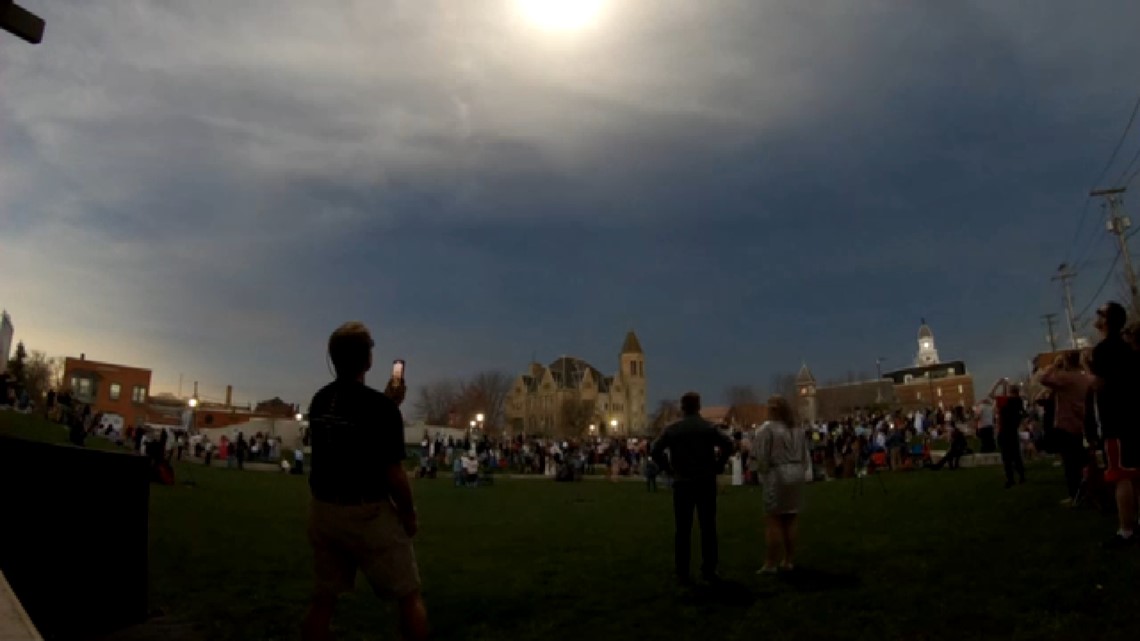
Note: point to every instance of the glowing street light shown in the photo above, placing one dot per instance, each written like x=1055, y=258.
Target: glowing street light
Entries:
x=193, y=405
x=300, y=417
x=479, y=417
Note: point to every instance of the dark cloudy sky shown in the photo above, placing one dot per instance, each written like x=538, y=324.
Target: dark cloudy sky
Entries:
x=209, y=188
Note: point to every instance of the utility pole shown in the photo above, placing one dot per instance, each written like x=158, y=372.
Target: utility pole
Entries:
x=20, y=22
x=1117, y=225
x=1049, y=318
x=1066, y=275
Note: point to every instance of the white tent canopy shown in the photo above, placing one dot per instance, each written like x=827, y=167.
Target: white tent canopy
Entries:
x=287, y=430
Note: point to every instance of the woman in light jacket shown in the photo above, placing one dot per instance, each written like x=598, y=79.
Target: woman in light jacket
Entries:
x=783, y=458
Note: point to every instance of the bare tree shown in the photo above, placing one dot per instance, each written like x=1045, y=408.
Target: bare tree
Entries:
x=784, y=384
x=486, y=393
x=667, y=412
x=741, y=395
x=575, y=416
x=435, y=401
x=40, y=375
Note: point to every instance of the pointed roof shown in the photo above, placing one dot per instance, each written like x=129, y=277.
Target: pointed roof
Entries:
x=924, y=331
x=631, y=344
x=805, y=375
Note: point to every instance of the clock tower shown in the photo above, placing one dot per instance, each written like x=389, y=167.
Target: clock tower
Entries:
x=807, y=408
x=927, y=353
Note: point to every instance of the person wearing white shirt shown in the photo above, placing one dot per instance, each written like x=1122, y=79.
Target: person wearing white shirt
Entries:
x=471, y=466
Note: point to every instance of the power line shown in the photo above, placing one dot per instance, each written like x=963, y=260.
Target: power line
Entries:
x=1120, y=143
x=1127, y=168
x=1104, y=172
x=1132, y=177
x=1103, y=284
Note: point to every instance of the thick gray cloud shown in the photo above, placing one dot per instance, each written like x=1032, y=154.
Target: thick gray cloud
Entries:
x=207, y=188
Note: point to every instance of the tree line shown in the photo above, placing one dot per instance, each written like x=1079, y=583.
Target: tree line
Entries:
x=458, y=400
x=34, y=372
x=747, y=400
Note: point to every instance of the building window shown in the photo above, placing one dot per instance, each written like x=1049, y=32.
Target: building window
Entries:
x=939, y=392
x=116, y=391
x=918, y=396
x=138, y=394
x=83, y=388
x=908, y=378
x=961, y=390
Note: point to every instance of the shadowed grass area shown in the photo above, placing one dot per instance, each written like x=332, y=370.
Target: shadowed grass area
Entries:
x=947, y=555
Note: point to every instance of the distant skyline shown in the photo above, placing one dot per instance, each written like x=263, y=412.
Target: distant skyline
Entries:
x=210, y=188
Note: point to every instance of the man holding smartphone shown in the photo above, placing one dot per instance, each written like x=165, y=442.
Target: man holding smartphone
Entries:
x=362, y=516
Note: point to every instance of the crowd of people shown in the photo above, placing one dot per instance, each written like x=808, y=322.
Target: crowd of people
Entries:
x=363, y=515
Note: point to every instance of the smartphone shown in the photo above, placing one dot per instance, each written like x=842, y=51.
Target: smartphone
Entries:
x=398, y=369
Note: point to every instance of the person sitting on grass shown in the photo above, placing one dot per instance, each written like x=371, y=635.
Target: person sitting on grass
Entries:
x=953, y=457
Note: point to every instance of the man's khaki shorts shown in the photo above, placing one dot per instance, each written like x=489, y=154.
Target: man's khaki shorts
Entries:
x=369, y=538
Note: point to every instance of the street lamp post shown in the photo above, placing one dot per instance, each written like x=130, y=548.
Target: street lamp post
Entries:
x=193, y=405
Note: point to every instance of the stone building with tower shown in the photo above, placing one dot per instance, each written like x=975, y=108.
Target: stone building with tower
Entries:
x=930, y=383
x=570, y=397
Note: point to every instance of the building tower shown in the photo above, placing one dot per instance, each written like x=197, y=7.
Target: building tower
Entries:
x=807, y=407
x=632, y=375
x=927, y=354
x=6, y=332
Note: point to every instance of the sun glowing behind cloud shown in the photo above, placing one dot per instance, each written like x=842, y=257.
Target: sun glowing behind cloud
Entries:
x=561, y=15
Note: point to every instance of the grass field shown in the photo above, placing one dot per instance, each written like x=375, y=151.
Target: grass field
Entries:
x=938, y=556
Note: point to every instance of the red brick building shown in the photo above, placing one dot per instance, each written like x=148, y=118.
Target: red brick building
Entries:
x=120, y=390
x=931, y=383
x=168, y=409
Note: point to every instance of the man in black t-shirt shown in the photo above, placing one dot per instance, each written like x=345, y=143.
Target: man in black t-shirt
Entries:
x=1114, y=364
x=362, y=516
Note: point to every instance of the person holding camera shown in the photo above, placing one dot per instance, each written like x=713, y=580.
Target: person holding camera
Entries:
x=693, y=451
x=362, y=517
x=1070, y=385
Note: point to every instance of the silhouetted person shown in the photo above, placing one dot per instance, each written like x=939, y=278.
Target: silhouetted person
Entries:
x=242, y=449
x=1115, y=368
x=953, y=457
x=362, y=516
x=1009, y=440
x=688, y=451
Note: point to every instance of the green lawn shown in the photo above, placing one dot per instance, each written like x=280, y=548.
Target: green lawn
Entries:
x=939, y=556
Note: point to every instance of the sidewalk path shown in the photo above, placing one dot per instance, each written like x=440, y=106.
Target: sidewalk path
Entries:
x=14, y=622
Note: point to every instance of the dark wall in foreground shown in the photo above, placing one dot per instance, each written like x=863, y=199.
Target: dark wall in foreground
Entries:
x=73, y=536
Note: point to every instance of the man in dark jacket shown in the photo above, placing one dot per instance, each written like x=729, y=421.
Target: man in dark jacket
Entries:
x=693, y=452
x=1010, y=416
